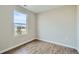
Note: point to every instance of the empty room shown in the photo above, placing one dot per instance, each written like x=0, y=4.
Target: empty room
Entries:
x=39, y=29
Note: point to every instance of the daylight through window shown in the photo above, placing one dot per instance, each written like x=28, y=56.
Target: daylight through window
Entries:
x=20, y=23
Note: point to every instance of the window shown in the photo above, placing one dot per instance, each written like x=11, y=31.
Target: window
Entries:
x=20, y=23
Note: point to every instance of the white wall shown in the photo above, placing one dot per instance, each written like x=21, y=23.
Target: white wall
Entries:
x=7, y=38
x=77, y=27
x=58, y=25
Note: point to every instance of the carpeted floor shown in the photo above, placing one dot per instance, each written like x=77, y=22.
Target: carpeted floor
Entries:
x=41, y=47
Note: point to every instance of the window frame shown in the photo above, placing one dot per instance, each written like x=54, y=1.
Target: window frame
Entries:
x=25, y=13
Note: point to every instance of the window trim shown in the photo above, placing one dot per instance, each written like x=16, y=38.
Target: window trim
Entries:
x=23, y=12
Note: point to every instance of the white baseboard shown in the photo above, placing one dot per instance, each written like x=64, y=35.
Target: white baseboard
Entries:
x=5, y=50
x=38, y=39
x=58, y=43
x=78, y=50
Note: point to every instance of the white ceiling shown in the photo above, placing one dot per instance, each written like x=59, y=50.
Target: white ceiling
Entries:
x=40, y=8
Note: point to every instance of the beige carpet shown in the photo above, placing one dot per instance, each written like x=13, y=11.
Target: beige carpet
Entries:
x=41, y=47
